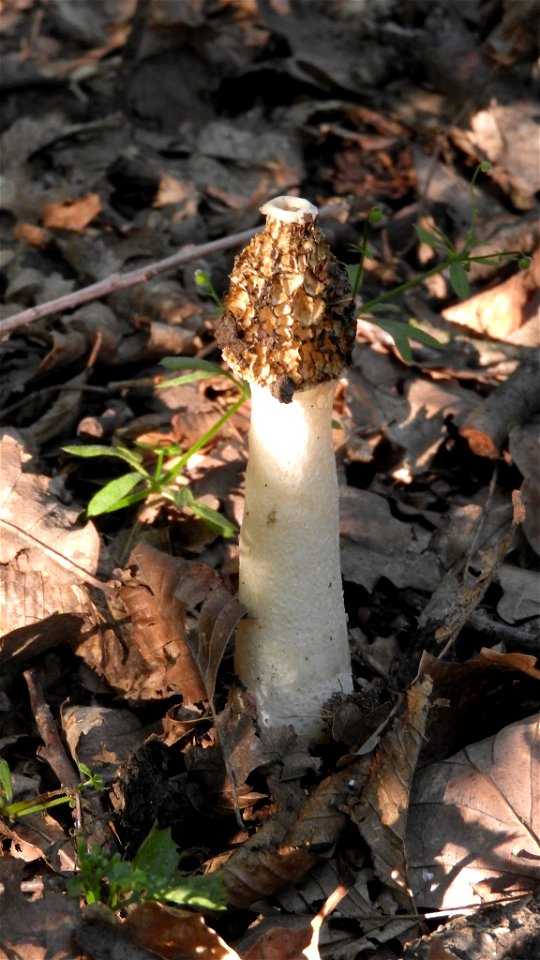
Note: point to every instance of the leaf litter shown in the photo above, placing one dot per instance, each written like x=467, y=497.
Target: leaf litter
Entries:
x=136, y=130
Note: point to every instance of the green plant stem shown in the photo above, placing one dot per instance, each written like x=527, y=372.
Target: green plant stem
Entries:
x=178, y=467
x=25, y=807
x=416, y=281
x=408, y=285
x=362, y=246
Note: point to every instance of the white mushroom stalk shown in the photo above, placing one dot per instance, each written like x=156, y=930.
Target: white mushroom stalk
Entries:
x=288, y=328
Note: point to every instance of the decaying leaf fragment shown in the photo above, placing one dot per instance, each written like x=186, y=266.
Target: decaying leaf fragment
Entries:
x=36, y=929
x=474, y=824
x=438, y=715
x=44, y=551
x=144, y=648
x=381, y=812
x=174, y=934
x=293, y=841
x=460, y=591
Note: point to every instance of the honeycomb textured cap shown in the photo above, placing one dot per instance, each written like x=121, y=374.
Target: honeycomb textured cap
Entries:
x=288, y=321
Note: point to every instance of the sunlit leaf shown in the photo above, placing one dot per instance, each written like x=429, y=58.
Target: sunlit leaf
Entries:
x=111, y=496
x=100, y=450
x=186, y=378
x=459, y=279
x=216, y=521
x=192, y=363
x=6, y=785
x=432, y=239
x=422, y=336
x=398, y=331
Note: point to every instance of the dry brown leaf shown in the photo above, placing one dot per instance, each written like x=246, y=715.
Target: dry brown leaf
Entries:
x=381, y=812
x=33, y=235
x=176, y=934
x=441, y=709
x=513, y=661
x=37, y=836
x=60, y=416
x=500, y=311
x=37, y=929
x=44, y=551
x=470, y=700
x=180, y=583
x=474, y=821
x=140, y=645
x=100, y=737
x=157, y=632
x=17, y=646
x=507, y=134
x=521, y=594
x=524, y=446
x=101, y=934
x=375, y=544
x=287, y=943
x=460, y=592
x=291, y=842
x=72, y=214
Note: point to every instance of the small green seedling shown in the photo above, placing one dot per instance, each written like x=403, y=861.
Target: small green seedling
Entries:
x=153, y=874
x=42, y=801
x=204, y=282
x=139, y=482
x=457, y=262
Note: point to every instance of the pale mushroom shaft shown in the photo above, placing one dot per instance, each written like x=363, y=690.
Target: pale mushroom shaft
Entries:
x=293, y=653
x=288, y=328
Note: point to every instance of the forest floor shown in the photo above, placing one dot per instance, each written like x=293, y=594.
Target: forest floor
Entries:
x=133, y=132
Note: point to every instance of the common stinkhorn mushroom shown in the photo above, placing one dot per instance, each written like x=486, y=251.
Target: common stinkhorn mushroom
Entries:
x=288, y=328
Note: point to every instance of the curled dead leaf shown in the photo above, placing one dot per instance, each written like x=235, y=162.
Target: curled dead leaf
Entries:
x=292, y=841
x=176, y=934
x=474, y=824
x=72, y=214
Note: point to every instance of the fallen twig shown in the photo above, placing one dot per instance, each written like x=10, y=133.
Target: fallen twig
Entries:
x=53, y=750
x=486, y=429
x=120, y=281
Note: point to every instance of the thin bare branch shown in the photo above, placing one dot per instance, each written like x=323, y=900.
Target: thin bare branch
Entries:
x=119, y=281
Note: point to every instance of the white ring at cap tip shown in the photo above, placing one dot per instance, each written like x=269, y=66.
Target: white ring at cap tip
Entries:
x=290, y=209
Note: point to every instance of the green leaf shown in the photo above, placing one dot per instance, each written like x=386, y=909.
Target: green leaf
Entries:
x=216, y=521
x=6, y=783
x=157, y=857
x=204, y=281
x=192, y=363
x=201, y=278
x=459, y=279
x=354, y=275
x=167, y=449
x=206, y=893
x=398, y=331
x=422, y=336
x=99, y=450
x=385, y=308
x=180, y=496
x=111, y=496
x=186, y=378
x=432, y=239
